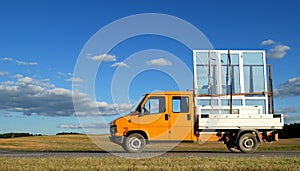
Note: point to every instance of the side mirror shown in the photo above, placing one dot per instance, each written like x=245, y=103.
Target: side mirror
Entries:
x=145, y=110
x=140, y=111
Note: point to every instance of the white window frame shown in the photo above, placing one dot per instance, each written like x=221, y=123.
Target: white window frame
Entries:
x=241, y=77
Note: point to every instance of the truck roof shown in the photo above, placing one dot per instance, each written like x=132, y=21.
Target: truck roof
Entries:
x=171, y=93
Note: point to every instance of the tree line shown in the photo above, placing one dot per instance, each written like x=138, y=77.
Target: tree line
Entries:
x=289, y=131
x=13, y=135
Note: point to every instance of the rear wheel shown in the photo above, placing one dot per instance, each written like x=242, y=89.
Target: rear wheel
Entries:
x=247, y=143
x=134, y=143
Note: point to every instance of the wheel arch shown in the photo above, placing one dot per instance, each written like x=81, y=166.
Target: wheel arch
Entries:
x=245, y=131
x=141, y=132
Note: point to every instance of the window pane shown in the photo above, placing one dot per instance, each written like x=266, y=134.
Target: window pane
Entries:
x=254, y=79
x=207, y=102
x=206, y=72
x=207, y=79
x=180, y=104
x=202, y=58
x=253, y=58
x=253, y=72
x=154, y=105
x=202, y=78
x=228, y=70
x=256, y=102
x=235, y=102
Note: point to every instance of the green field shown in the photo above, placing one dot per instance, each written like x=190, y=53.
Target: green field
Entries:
x=83, y=143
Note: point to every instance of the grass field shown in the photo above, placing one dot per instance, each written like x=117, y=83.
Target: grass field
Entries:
x=84, y=143
x=49, y=143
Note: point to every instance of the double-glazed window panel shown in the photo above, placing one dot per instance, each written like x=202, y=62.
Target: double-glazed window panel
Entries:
x=239, y=75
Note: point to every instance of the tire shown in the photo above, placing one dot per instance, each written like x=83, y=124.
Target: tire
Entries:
x=232, y=148
x=247, y=143
x=134, y=143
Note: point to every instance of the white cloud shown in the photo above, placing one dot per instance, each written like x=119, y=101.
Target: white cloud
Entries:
x=70, y=126
x=6, y=59
x=289, y=109
x=62, y=74
x=74, y=79
x=84, y=126
x=18, y=62
x=291, y=114
x=104, y=58
x=291, y=118
x=26, y=80
x=120, y=64
x=40, y=97
x=277, y=50
x=18, y=76
x=44, y=83
x=3, y=73
x=25, y=63
x=8, y=82
x=267, y=42
x=112, y=109
x=159, y=62
x=289, y=88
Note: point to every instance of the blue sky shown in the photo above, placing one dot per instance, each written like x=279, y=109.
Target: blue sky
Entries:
x=42, y=40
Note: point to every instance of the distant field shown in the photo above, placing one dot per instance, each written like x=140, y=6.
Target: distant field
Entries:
x=84, y=143
x=49, y=143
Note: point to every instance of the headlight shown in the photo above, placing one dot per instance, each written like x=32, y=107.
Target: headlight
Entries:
x=112, y=123
x=113, y=128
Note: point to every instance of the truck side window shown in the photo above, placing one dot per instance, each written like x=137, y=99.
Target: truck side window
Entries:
x=180, y=104
x=154, y=104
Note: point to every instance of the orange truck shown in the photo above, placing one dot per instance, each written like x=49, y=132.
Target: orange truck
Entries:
x=232, y=99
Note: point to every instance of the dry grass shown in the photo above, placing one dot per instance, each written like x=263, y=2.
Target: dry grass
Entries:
x=85, y=143
x=49, y=143
x=174, y=163
x=292, y=144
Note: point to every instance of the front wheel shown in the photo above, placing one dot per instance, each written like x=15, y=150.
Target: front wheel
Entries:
x=134, y=143
x=247, y=143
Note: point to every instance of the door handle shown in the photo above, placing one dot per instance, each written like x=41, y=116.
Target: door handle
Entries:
x=166, y=117
x=188, y=117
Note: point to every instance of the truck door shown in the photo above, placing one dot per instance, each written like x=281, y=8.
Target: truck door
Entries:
x=154, y=118
x=180, y=118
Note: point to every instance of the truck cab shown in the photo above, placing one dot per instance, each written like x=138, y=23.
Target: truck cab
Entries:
x=159, y=116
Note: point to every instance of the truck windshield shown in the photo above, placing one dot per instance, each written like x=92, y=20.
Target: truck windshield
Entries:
x=137, y=104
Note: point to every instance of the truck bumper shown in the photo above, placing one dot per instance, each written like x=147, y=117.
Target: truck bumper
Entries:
x=116, y=139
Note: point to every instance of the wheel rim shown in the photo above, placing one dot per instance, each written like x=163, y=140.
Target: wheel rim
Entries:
x=135, y=143
x=248, y=143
